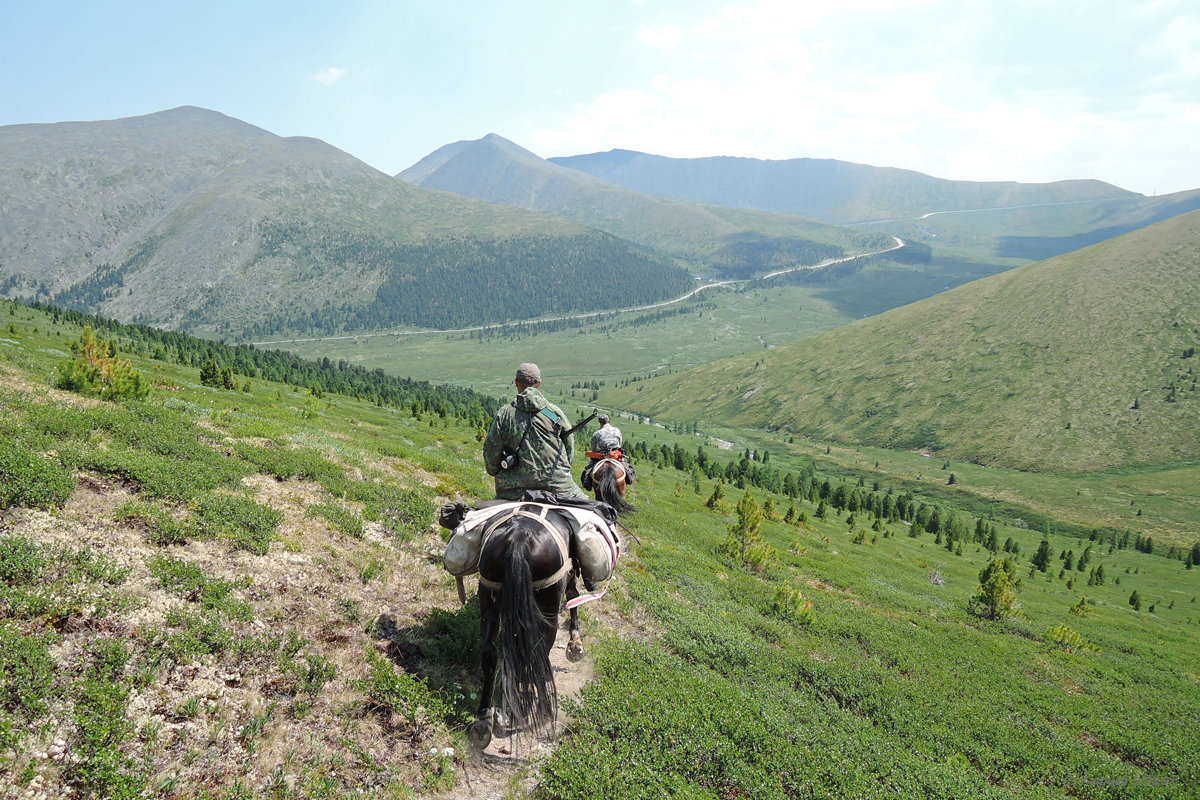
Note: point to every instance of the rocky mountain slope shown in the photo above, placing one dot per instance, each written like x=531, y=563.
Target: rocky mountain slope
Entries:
x=719, y=237
x=190, y=219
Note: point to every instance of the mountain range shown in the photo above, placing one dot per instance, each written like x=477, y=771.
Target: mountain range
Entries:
x=709, y=236
x=739, y=216
x=193, y=220
x=190, y=219
x=837, y=192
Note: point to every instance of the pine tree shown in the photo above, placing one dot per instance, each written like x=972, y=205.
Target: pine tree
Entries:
x=745, y=542
x=718, y=494
x=97, y=370
x=993, y=543
x=997, y=596
x=210, y=373
x=1041, y=559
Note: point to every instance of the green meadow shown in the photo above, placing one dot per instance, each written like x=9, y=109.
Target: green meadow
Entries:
x=235, y=592
x=715, y=324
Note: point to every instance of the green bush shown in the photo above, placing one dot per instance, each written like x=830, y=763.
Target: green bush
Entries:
x=306, y=676
x=158, y=475
x=403, y=698
x=161, y=449
x=60, y=422
x=286, y=462
x=31, y=480
x=189, y=582
x=101, y=728
x=26, y=680
x=344, y=519
x=404, y=512
x=51, y=584
x=246, y=524
x=195, y=634
x=161, y=527
x=22, y=560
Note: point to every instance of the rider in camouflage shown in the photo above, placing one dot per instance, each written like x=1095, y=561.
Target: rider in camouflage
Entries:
x=526, y=447
x=607, y=441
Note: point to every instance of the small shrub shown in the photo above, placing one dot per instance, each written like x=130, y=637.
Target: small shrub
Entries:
x=26, y=681
x=195, y=635
x=789, y=603
x=101, y=728
x=371, y=570
x=22, y=561
x=161, y=528
x=285, y=463
x=246, y=524
x=97, y=371
x=308, y=676
x=342, y=518
x=189, y=582
x=1069, y=640
x=403, y=699
x=31, y=480
x=404, y=512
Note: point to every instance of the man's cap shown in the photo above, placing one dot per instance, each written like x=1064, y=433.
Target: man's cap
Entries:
x=529, y=373
x=602, y=417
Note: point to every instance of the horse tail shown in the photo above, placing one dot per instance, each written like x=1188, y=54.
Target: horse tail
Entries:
x=527, y=679
x=609, y=492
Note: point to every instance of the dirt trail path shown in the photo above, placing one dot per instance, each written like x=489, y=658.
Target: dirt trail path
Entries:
x=509, y=767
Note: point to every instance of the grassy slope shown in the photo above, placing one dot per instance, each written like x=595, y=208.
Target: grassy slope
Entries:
x=1037, y=368
x=264, y=675
x=612, y=350
x=893, y=687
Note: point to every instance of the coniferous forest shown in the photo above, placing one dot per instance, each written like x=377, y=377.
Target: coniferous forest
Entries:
x=492, y=281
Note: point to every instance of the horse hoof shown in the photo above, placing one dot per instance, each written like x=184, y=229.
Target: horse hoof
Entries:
x=574, y=651
x=480, y=733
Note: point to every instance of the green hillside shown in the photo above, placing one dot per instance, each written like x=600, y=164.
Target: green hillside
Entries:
x=233, y=591
x=191, y=220
x=1081, y=363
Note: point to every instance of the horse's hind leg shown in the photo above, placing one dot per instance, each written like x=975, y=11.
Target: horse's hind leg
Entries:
x=480, y=732
x=574, y=640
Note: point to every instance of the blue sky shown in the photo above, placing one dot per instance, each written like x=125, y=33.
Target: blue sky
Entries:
x=981, y=90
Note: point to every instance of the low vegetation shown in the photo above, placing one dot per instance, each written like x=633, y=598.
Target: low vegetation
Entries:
x=1025, y=370
x=216, y=594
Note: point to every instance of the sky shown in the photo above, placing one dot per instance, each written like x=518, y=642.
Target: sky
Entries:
x=968, y=90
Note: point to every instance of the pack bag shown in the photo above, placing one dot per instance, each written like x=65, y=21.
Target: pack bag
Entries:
x=597, y=547
x=466, y=543
x=596, y=552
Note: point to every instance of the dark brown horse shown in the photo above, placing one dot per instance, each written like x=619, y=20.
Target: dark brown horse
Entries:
x=525, y=573
x=608, y=482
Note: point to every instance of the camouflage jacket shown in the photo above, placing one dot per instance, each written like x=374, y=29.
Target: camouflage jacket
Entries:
x=606, y=439
x=543, y=458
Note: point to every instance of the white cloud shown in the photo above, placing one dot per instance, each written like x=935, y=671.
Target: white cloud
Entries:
x=952, y=90
x=330, y=76
x=664, y=37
